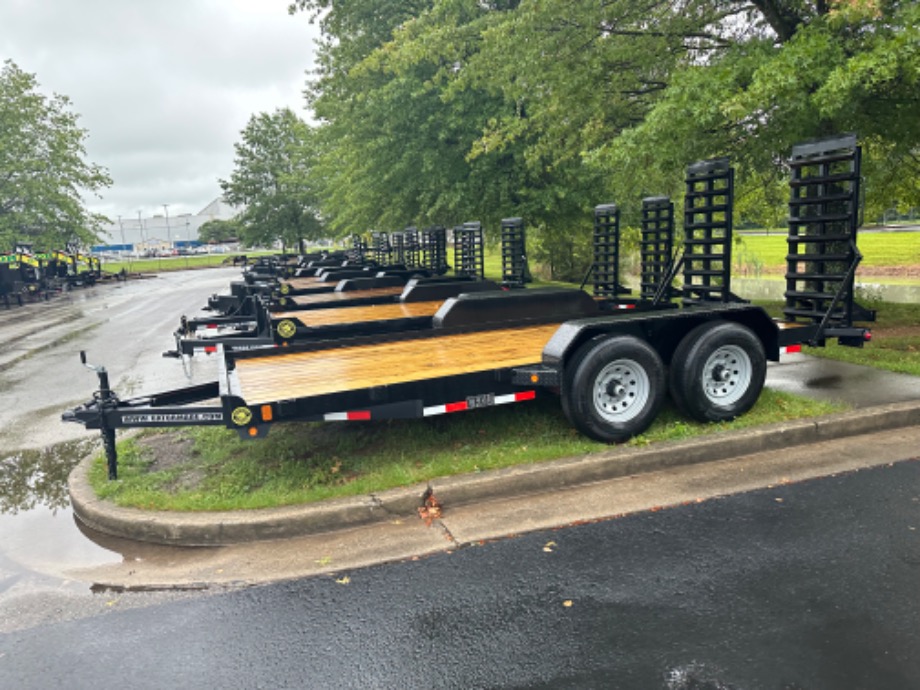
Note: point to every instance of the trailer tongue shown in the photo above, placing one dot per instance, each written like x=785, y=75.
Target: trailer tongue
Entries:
x=611, y=370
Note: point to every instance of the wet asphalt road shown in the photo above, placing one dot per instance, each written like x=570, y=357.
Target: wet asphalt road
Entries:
x=124, y=327
x=475, y=618
x=810, y=586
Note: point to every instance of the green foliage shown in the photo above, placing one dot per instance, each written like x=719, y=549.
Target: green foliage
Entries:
x=272, y=179
x=852, y=67
x=43, y=173
x=218, y=230
x=439, y=111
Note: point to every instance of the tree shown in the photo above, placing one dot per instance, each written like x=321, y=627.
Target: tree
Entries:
x=220, y=230
x=43, y=171
x=444, y=110
x=804, y=70
x=272, y=180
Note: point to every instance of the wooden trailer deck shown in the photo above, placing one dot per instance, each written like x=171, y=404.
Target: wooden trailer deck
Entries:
x=308, y=285
x=300, y=283
x=306, y=374
x=332, y=297
x=373, y=312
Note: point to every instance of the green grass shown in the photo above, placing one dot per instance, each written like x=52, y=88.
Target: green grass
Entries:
x=302, y=463
x=879, y=249
x=174, y=263
x=895, y=345
x=898, y=354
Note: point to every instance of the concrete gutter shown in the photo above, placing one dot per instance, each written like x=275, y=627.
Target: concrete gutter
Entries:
x=232, y=527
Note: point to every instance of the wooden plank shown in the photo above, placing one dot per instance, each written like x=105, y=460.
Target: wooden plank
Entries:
x=360, y=314
x=307, y=374
x=331, y=297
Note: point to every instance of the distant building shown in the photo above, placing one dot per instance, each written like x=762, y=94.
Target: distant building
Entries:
x=133, y=234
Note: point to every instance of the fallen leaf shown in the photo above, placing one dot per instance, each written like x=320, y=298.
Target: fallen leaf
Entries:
x=567, y=603
x=430, y=510
x=324, y=561
x=344, y=580
x=548, y=546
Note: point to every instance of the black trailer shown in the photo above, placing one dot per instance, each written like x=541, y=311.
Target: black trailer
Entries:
x=261, y=321
x=611, y=371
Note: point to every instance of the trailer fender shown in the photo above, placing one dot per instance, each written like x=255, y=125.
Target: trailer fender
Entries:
x=663, y=330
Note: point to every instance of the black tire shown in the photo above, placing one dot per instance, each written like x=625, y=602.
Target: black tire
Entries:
x=568, y=374
x=616, y=388
x=718, y=371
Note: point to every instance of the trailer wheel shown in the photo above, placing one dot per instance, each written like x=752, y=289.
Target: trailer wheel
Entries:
x=617, y=386
x=718, y=371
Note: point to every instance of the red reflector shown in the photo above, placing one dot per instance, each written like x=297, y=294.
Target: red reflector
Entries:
x=526, y=395
x=210, y=348
x=211, y=325
x=360, y=415
x=455, y=407
x=868, y=335
x=793, y=348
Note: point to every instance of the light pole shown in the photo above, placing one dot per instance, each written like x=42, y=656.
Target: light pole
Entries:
x=168, y=231
x=124, y=245
x=140, y=225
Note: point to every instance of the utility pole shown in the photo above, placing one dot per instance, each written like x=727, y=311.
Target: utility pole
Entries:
x=168, y=231
x=124, y=246
x=140, y=225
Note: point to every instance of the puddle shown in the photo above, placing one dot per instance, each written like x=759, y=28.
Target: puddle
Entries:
x=39, y=534
x=30, y=479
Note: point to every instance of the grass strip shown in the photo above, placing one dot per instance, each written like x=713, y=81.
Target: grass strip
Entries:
x=879, y=249
x=210, y=469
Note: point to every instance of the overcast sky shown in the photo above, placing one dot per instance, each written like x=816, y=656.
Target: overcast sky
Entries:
x=162, y=86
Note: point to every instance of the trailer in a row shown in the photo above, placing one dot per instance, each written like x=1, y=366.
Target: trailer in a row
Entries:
x=611, y=369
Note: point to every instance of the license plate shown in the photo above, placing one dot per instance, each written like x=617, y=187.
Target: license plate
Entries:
x=484, y=400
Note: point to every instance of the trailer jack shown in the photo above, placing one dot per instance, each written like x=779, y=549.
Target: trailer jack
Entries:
x=105, y=399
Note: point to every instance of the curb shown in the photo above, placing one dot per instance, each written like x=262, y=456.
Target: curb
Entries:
x=230, y=527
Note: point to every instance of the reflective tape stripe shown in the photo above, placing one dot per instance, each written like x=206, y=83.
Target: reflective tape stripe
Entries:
x=791, y=349
x=353, y=416
x=461, y=406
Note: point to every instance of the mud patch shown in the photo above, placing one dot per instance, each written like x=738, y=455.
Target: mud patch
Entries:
x=172, y=450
